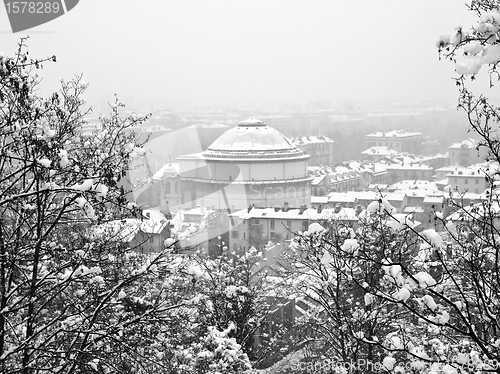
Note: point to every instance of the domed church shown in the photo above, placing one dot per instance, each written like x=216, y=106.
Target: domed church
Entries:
x=250, y=163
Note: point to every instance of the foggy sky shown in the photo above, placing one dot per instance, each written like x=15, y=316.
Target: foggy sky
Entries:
x=188, y=53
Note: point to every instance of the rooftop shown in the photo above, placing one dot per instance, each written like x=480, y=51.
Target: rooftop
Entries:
x=308, y=213
x=467, y=143
x=252, y=137
x=394, y=133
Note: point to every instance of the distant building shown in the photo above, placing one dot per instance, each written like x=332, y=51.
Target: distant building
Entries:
x=430, y=146
x=251, y=163
x=258, y=226
x=170, y=188
x=396, y=173
x=320, y=148
x=467, y=153
x=468, y=179
x=398, y=140
x=320, y=185
x=375, y=153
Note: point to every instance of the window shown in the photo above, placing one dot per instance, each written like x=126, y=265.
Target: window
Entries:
x=256, y=221
x=167, y=187
x=234, y=234
x=477, y=181
x=466, y=181
x=289, y=224
x=244, y=235
x=305, y=225
x=271, y=235
x=272, y=225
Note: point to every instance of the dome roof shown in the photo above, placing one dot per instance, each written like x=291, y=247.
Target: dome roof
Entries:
x=252, y=136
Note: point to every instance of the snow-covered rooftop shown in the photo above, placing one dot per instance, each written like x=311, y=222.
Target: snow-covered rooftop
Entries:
x=380, y=151
x=409, y=167
x=301, y=140
x=394, y=134
x=467, y=143
x=345, y=214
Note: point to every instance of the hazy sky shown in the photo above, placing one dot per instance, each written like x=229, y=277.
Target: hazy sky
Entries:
x=186, y=53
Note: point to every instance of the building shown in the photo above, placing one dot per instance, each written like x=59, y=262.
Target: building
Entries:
x=398, y=140
x=468, y=179
x=250, y=163
x=258, y=226
x=376, y=153
x=320, y=148
x=397, y=173
x=467, y=153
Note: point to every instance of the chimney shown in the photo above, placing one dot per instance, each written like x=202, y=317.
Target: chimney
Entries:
x=250, y=207
x=285, y=207
x=302, y=208
x=338, y=208
x=320, y=208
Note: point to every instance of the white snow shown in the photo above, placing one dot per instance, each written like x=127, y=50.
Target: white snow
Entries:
x=350, y=245
x=468, y=65
x=448, y=369
x=433, y=237
x=63, y=158
x=373, y=207
x=443, y=318
x=424, y=279
x=44, y=162
x=168, y=242
x=369, y=298
x=491, y=54
x=315, y=228
x=473, y=48
x=327, y=258
x=101, y=189
x=428, y=300
x=451, y=227
x=195, y=270
x=443, y=40
x=389, y=362
x=403, y=294
x=121, y=295
x=85, y=186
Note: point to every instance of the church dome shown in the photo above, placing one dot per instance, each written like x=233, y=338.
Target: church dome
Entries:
x=252, y=137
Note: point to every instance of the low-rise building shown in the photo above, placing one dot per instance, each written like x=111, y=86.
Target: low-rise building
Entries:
x=397, y=173
x=256, y=227
x=467, y=153
x=398, y=140
x=376, y=153
x=468, y=179
x=320, y=148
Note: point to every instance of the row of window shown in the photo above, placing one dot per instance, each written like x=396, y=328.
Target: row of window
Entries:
x=466, y=180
